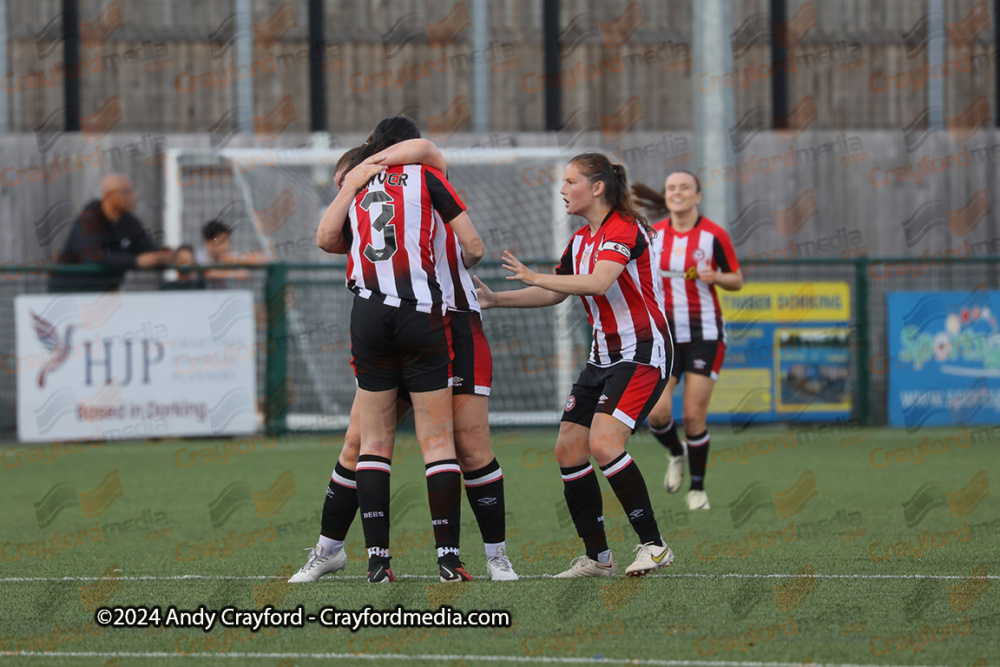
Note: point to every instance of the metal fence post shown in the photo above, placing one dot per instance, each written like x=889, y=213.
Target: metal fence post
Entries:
x=276, y=383
x=862, y=389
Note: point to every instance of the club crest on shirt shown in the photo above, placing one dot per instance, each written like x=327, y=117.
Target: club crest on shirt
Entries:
x=699, y=255
x=570, y=402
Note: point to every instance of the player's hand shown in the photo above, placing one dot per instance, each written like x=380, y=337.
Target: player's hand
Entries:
x=708, y=276
x=520, y=271
x=374, y=159
x=487, y=297
x=358, y=177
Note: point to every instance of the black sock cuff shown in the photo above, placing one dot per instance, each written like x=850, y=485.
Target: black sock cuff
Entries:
x=616, y=461
x=341, y=476
x=343, y=472
x=661, y=431
x=698, y=440
x=444, y=465
x=488, y=469
x=620, y=463
x=473, y=475
x=576, y=472
x=372, y=463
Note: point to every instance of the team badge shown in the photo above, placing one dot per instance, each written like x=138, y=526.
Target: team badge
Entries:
x=570, y=402
x=699, y=254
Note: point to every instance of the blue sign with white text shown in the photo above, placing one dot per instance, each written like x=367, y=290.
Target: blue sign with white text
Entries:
x=944, y=351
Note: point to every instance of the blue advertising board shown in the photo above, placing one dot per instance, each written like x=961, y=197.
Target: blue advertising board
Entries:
x=944, y=358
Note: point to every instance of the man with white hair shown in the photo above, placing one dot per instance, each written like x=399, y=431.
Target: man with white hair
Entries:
x=106, y=232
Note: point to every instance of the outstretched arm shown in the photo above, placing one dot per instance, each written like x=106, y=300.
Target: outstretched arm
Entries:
x=529, y=297
x=605, y=273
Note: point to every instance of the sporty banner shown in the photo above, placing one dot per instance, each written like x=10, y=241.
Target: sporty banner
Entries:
x=121, y=366
x=944, y=358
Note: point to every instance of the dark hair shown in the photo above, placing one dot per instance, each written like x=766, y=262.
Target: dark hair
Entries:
x=597, y=167
x=349, y=160
x=213, y=229
x=187, y=247
x=651, y=200
x=388, y=132
x=654, y=201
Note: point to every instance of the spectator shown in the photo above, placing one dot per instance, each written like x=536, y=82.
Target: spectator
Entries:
x=179, y=278
x=218, y=250
x=218, y=243
x=106, y=232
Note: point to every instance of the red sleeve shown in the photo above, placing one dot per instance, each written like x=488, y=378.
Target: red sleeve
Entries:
x=444, y=199
x=724, y=254
x=622, y=242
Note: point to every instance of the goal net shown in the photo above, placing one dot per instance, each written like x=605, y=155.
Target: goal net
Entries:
x=273, y=200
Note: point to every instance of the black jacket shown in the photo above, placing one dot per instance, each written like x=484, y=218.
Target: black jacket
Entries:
x=94, y=238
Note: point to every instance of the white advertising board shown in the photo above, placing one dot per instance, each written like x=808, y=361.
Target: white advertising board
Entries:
x=135, y=365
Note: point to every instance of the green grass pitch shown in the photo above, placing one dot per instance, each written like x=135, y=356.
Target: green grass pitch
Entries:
x=862, y=547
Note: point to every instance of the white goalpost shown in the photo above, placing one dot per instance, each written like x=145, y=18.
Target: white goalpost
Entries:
x=273, y=200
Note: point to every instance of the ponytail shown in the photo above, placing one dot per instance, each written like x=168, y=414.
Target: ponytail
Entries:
x=653, y=201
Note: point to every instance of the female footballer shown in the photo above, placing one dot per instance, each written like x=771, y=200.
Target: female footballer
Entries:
x=400, y=333
x=694, y=255
x=483, y=475
x=607, y=263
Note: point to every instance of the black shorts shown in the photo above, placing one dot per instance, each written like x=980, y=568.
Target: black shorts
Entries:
x=472, y=370
x=626, y=391
x=399, y=347
x=703, y=357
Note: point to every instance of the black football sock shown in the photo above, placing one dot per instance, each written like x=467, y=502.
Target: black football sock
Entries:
x=667, y=437
x=583, y=496
x=698, y=459
x=484, y=487
x=626, y=480
x=444, y=492
x=341, y=504
x=373, y=501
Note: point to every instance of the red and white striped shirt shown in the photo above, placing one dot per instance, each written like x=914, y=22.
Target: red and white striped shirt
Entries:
x=456, y=283
x=691, y=306
x=395, y=237
x=628, y=321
